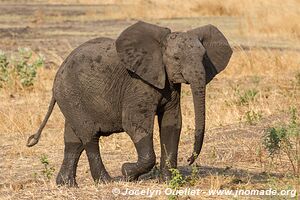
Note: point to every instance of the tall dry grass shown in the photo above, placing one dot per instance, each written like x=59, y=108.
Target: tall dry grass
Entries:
x=272, y=73
x=270, y=18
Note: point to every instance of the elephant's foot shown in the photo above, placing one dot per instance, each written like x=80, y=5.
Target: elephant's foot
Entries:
x=103, y=177
x=132, y=171
x=165, y=175
x=129, y=171
x=65, y=180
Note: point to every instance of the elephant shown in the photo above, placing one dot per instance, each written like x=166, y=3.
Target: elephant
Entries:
x=110, y=86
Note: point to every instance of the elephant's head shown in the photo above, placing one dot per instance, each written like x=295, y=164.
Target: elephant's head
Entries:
x=193, y=57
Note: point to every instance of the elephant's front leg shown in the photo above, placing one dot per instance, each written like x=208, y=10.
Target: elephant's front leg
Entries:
x=169, y=127
x=140, y=129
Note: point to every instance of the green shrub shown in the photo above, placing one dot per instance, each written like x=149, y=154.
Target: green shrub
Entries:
x=273, y=138
x=22, y=68
x=27, y=69
x=285, y=139
x=48, y=170
x=252, y=117
x=246, y=97
x=192, y=179
x=176, y=182
x=4, y=72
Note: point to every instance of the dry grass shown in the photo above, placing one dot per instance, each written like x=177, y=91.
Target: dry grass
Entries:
x=228, y=159
x=272, y=73
x=233, y=155
x=258, y=17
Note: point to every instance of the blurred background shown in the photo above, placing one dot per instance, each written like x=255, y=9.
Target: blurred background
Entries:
x=252, y=136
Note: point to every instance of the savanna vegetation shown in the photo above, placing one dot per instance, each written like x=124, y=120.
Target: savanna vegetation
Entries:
x=253, y=107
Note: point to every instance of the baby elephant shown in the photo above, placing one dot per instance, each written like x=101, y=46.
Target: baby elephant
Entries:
x=109, y=86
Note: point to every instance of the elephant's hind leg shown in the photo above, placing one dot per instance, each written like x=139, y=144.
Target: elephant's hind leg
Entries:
x=86, y=133
x=72, y=152
x=98, y=170
x=140, y=130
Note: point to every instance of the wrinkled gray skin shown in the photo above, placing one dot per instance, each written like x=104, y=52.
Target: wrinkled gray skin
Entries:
x=109, y=86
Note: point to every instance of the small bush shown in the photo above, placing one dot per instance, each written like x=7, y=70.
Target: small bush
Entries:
x=4, y=72
x=179, y=181
x=285, y=139
x=246, y=97
x=48, y=170
x=26, y=67
x=176, y=182
x=22, y=68
x=192, y=179
x=252, y=117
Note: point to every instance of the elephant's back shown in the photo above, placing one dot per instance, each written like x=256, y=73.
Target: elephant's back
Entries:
x=92, y=77
x=88, y=65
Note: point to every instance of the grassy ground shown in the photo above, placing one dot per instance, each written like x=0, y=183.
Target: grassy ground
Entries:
x=256, y=91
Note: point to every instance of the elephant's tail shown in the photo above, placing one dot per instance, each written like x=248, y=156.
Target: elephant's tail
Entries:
x=34, y=139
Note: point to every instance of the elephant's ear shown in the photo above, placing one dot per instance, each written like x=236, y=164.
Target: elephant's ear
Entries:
x=140, y=50
x=218, y=50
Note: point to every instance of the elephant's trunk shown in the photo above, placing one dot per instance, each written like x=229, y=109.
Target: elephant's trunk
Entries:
x=198, y=91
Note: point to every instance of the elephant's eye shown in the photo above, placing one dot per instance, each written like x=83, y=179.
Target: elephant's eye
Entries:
x=176, y=58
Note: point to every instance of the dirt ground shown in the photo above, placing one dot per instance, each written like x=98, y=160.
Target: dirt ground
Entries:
x=233, y=156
